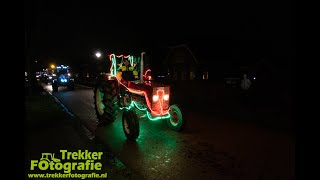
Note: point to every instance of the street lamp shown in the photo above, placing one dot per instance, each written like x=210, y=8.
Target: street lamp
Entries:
x=98, y=55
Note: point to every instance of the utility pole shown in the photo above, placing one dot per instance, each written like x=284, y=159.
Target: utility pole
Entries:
x=27, y=58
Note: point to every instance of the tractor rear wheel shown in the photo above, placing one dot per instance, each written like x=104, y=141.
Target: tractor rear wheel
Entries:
x=106, y=101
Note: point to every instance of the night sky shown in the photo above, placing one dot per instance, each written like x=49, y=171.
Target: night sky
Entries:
x=72, y=31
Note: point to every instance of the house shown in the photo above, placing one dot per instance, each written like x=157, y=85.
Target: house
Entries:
x=182, y=64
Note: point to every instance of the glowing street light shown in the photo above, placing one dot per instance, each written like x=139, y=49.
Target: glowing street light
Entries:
x=98, y=55
x=52, y=66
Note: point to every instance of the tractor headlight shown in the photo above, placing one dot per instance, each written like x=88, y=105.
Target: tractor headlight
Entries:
x=166, y=97
x=63, y=80
x=155, y=98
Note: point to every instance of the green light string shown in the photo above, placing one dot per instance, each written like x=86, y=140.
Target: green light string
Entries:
x=157, y=117
x=131, y=60
x=114, y=63
x=150, y=117
x=128, y=107
x=136, y=105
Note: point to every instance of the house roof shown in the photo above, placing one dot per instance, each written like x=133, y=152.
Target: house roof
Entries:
x=188, y=50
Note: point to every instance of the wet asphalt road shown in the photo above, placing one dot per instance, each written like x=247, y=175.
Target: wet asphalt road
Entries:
x=209, y=148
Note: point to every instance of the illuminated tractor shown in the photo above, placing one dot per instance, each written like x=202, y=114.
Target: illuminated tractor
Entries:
x=134, y=97
x=62, y=77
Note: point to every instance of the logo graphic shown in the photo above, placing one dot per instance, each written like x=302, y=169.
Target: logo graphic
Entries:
x=81, y=160
x=51, y=155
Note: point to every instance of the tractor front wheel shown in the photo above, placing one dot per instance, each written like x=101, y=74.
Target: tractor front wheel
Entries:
x=130, y=124
x=176, y=121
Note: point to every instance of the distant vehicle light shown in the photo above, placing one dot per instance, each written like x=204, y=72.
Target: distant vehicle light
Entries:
x=254, y=78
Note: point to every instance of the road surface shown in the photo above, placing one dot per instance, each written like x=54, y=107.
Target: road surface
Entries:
x=211, y=147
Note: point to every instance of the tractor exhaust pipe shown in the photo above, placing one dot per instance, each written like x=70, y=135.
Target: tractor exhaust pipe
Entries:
x=141, y=67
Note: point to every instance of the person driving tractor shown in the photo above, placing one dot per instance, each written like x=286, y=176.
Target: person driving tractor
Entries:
x=127, y=72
